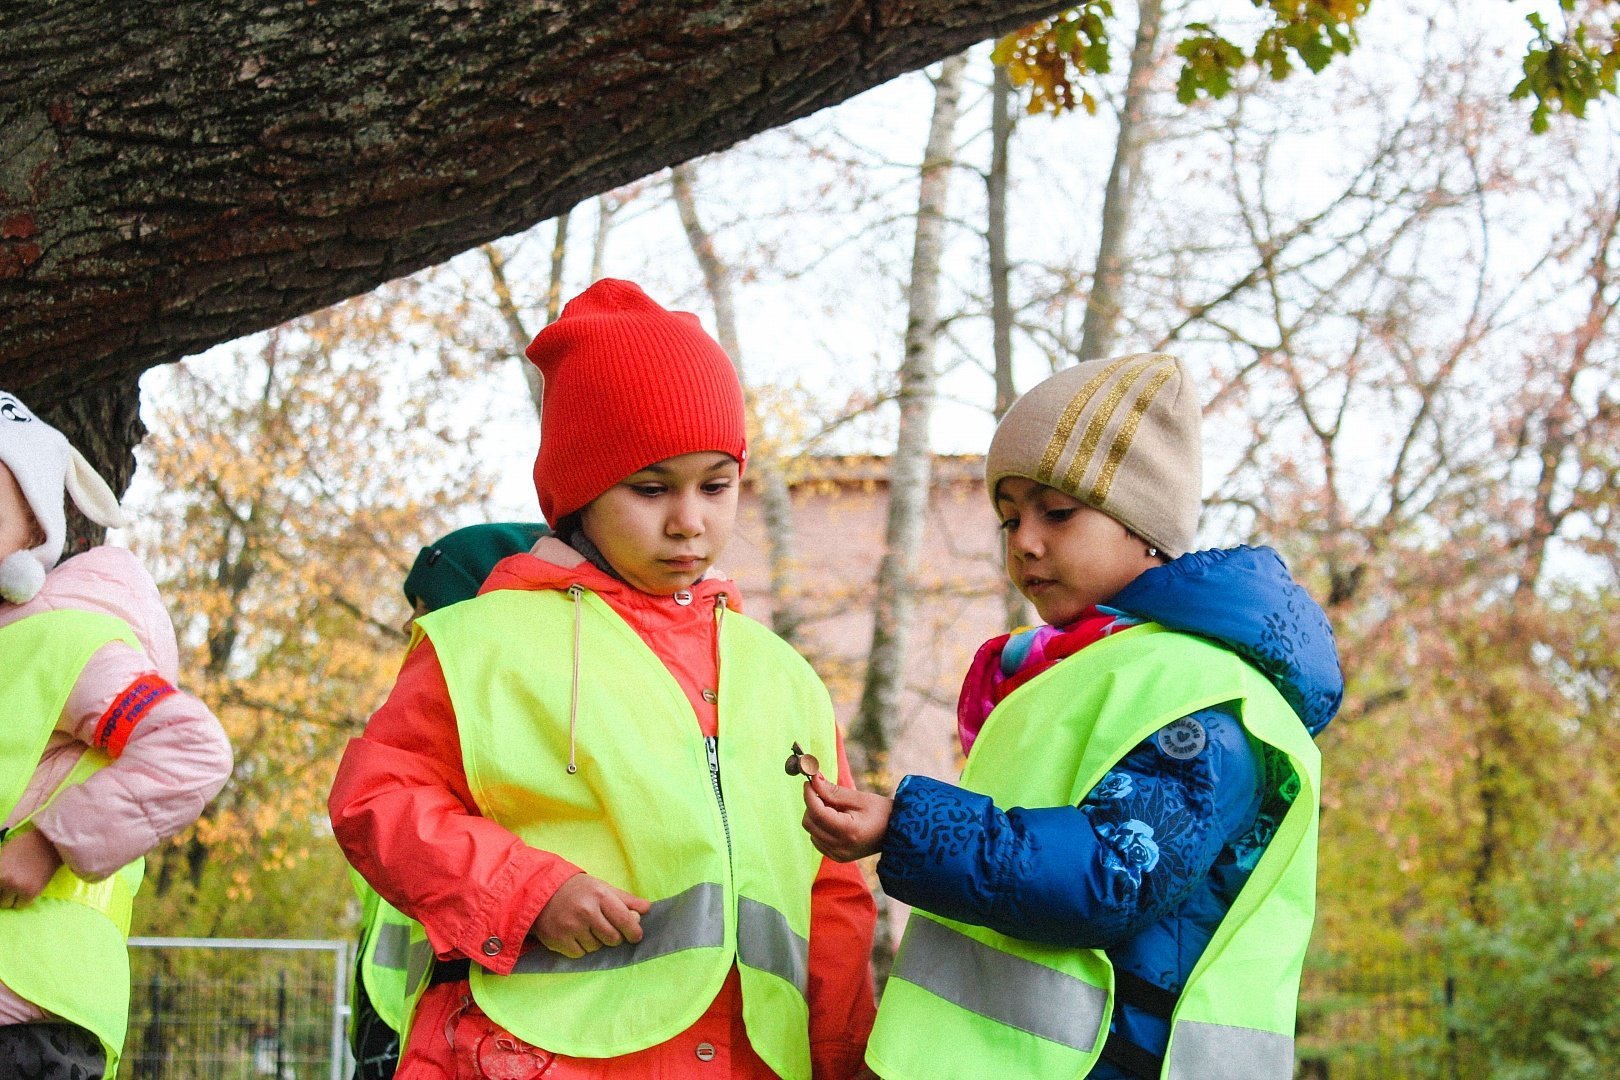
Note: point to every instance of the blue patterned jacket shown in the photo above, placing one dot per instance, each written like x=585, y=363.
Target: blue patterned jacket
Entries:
x=1149, y=862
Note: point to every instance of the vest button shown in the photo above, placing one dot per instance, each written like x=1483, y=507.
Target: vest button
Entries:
x=710, y=696
x=705, y=1051
x=492, y=946
x=684, y=597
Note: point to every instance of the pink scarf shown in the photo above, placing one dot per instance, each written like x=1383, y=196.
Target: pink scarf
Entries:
x=1005, y=663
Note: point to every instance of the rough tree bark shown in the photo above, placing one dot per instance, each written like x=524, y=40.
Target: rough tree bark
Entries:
x=776, y=502
x=911, y=469
x=173, y=176
x=104, y=422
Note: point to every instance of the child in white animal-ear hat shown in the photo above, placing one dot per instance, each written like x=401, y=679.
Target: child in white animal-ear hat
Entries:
x=101, y=757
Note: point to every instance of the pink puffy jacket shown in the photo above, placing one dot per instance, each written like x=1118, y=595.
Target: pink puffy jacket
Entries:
x=170, y=763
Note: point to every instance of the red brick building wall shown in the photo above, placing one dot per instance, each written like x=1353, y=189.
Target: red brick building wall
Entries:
x=840, y=510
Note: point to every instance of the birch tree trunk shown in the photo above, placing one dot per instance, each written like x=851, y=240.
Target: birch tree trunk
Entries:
x=1001, y=312
x=911, y=468
x=606, y=209
x=1102, y=307
x=776, y=504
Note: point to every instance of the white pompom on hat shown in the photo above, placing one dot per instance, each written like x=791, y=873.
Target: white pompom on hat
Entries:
x=47, y=468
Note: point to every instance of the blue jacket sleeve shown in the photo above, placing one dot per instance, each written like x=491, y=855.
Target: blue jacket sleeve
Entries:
x=1087, y=876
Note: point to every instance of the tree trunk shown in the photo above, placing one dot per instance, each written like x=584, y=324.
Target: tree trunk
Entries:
x=559, y=252
x=506, y=304
x=512, y=318
x=1102, y=306
x=911, y=469
x=606, y=209
x=776, y=503
x=103, y=420
x=1001, y=312
x=177, y=175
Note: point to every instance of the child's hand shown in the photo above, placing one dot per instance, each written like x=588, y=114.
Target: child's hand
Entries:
x=27, y=862
x=844, y=824
x=586, y=913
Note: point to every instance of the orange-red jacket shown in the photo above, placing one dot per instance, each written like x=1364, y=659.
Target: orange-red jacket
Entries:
x=402, y=810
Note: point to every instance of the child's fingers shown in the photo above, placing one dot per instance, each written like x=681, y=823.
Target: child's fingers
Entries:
x=623, y=922
x=563, y=947
x=634, y=902
x=819, y=822
x=826, y=832
x=813, y=803
x=818, y=801
x=825, y=824
x=601, y=930
x=628, y=920
x=835, y=797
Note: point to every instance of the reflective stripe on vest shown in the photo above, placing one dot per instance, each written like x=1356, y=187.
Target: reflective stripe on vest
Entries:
x=418, y=963
x=41, y=659
x=1000, y=986
x=1218, y=1052
x=766, y=941
x=382, y=961
x=648, y=810
x=393, y=944
x=1019, y=1008
x=694, y=919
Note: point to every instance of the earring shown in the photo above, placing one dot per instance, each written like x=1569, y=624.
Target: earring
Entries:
x=1153, y=553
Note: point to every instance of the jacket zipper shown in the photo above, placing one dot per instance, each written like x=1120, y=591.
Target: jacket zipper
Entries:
x=711, y=743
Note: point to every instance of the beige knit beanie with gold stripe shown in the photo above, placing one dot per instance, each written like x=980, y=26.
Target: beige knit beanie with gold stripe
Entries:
x=1120, y=435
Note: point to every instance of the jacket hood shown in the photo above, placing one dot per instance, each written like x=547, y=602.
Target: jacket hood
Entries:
x=1245, y=598
x=112, y=581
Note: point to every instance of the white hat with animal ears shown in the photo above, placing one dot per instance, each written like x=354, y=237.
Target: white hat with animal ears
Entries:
x=47, y=467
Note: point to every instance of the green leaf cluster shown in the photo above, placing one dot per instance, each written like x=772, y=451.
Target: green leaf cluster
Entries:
x=1566, y=73
x=1053, y=58
x=1309, y=32
x=1565, y=69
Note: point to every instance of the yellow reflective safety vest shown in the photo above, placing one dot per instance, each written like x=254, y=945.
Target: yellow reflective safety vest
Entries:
x=707, y=830
x=384, y=950
x=965, y=1002
x=64, y=952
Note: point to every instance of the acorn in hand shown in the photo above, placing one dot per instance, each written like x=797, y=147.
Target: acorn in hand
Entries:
x=802, y=764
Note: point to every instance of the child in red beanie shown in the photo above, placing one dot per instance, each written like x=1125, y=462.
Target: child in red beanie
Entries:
x=576, y=784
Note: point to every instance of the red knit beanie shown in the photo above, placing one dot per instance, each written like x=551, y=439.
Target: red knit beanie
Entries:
x=627, y=384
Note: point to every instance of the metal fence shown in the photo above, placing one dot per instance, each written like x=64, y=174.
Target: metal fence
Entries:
x=249, y=1009
x=237, y=1009
x=1373, y=1018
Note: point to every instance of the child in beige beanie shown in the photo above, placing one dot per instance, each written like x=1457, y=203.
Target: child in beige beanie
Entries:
x=1130, y=855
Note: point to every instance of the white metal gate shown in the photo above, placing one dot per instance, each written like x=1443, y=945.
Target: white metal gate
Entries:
x=237, y=1009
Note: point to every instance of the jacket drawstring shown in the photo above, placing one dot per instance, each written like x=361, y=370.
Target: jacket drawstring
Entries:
x=575, y=591
x=719, y=625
